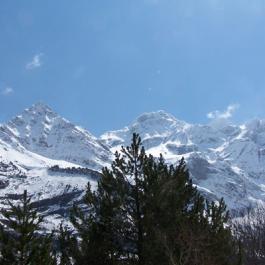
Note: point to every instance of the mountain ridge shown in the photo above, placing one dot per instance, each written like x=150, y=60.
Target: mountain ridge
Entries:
x=224, y=161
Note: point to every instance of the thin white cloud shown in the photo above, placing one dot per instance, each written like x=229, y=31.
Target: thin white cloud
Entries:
x=226, y=114
x=35, y=62
x=7, y=91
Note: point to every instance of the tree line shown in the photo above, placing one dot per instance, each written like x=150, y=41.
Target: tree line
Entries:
x=143, y=212
x=76, y=170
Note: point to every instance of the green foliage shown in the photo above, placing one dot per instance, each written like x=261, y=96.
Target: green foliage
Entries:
x=20, y=243
x=146, y=212
x=143, y=212
x=66, y=243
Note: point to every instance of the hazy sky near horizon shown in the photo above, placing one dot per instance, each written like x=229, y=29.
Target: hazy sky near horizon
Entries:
x=102, y=63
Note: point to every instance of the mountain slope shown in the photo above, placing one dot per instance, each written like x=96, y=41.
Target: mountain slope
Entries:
x=225, y=161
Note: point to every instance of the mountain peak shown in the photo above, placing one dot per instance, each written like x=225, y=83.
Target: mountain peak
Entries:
x=158, y=120
x=42, y=131
x=40, y=107
x=156, y=115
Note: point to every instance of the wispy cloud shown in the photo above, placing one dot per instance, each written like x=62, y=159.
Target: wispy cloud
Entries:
x=226, y=114
x=35, y=62
x=7, y=91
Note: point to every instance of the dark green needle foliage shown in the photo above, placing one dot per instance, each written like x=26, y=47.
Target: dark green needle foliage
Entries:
x=148, y=213
x=20, y=241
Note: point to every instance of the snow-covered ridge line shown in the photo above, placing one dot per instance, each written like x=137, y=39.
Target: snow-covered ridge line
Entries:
x=40, y=130
x=225, y=161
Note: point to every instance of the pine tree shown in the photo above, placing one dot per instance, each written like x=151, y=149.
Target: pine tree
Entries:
x=20, y=242
x=148, y=213
x=66, y=245
x=97, y=229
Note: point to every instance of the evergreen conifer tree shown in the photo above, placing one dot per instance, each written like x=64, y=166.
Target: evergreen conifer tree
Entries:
x=66, y=245
x=148, y=213
x=20, y=242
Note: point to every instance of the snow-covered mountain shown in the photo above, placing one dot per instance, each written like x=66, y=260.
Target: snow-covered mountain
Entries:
x=43, y=132
x=38, y=139
x=225, y=160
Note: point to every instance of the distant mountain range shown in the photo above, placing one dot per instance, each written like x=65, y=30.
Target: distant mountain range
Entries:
x=224, y=160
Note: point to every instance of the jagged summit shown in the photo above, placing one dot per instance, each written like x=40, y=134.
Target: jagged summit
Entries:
x=38, y=111
x=151, y=126
x=40, y=130
x=40, y=107
x=157, y=123
x=156, y=116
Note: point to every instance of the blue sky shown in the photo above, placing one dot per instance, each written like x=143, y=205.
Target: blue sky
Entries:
x=102, y=63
